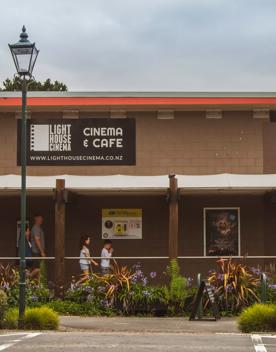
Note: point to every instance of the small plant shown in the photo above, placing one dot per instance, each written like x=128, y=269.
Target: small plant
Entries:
x=258, y=318
x=43, y=318
x=42, y=274
x=11, y=319
x=177, y=290
x=119, y=279
x=3, y=305
x=8, y=277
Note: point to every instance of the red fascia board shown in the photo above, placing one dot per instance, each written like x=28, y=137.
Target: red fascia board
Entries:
x=132, y=101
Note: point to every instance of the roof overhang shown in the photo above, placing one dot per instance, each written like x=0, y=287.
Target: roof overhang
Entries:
x=11, y=101
x=220, y=183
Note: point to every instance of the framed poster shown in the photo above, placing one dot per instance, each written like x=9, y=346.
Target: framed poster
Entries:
x=221, y=231
x=122, y=223
x=95, y=141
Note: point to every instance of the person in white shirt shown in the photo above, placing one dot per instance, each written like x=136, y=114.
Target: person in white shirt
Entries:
x=85, y=262
x=105, y=257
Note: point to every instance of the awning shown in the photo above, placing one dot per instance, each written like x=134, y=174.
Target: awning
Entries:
x=228, y=182
x=219, y=182
x=88, y=183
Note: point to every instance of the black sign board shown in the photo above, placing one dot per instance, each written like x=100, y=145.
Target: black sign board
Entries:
x=95, y=141
x=205, y=287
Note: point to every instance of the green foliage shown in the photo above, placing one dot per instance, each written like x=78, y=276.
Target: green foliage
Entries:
x=117, y=281
x=142, y=299
x=3, y=305
x=129, y=292
x=74, y=308
x=15, y=84
x=271, y=295
x=178, y=289
x=11, y=319
x=42, y=318
x=42, y=274
x=235, y=285
x=9, y=283
x=258, y=318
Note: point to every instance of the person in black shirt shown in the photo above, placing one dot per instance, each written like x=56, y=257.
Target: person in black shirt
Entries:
x=28, y=248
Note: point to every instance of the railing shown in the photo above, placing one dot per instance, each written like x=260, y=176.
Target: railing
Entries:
x=153, y=257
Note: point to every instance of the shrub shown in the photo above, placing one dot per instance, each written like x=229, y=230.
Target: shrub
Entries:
x=178, y=289
x=43, y=318
x=74, y=308
x=235, y=285
x=11, y=319
x=258, y=318
x=36, y=292
x=3, y=305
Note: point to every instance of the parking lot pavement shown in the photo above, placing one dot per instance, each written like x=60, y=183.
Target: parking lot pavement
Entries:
x=132, y=342
x=8, y=340
x=264, y=343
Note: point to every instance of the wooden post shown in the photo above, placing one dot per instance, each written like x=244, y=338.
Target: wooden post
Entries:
x=59, y=237
x=173, y=217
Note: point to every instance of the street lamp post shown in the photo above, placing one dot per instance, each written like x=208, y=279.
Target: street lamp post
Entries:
x=24, y=55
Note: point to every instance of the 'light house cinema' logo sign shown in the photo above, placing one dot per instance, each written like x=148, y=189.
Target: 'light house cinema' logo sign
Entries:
x=55, y=137
x=97, y=141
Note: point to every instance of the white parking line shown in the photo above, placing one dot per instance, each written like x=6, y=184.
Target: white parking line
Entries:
x=21, y=335
x=258, y=343
x=5, y=346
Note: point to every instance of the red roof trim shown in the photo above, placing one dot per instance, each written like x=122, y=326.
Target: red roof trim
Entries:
x=128, y=101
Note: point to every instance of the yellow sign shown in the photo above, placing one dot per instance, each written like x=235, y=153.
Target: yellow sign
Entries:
x=121, y=223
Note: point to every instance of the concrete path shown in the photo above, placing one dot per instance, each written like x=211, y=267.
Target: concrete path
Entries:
x=141, y=325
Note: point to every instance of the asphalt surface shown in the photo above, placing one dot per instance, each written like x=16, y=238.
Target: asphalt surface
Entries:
x=133, y=342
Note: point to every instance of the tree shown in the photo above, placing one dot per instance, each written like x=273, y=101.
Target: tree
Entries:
x=15, y=84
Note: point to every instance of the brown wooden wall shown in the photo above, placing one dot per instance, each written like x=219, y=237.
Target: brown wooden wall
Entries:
x=189, y=144
x=258, y=227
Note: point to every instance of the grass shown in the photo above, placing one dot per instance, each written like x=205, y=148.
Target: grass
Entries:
x=258, y=318
x=42, y=318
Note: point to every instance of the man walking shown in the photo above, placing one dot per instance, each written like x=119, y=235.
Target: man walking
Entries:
x=38, y=242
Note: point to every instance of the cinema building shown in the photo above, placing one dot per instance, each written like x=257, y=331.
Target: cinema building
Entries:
x=164, y=175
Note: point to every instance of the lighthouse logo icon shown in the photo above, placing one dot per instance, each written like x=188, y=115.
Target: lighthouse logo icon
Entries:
x=40, y=138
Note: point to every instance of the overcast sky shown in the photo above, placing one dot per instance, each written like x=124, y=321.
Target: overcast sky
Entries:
x=181, y=45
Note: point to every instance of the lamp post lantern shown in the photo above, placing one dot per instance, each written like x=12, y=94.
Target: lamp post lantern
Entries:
x=24, y=54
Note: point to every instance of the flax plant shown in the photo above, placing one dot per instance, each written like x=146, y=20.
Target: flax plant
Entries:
x=235, y=285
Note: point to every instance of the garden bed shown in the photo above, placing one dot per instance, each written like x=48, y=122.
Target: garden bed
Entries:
x=129, y=292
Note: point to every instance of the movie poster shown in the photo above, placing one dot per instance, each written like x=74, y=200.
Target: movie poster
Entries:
x=221, y=231
x=122, y=223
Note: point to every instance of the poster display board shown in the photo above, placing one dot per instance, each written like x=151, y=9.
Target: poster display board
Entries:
x=205, y=287
x=95, y=141
x=221, y=231
x=122, y=223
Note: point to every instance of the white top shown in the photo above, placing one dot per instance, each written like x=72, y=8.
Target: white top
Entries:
x=84, y=253
x=105, y=262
